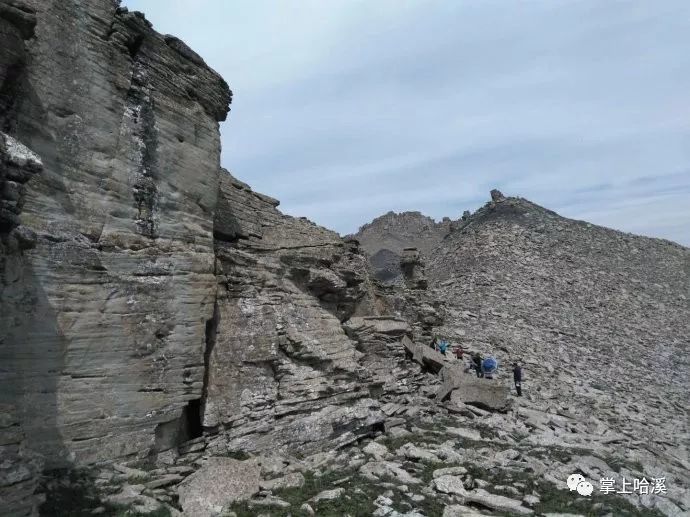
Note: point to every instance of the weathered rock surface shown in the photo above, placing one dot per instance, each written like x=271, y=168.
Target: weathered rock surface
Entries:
x=492, y=394
x=103, y=318
x=219, y=483
x=599, y=319
x=280, y=368
x=412, y=267
x=146, y=294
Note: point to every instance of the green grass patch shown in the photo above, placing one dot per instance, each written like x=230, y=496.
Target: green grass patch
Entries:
x=236, y=455
x=560, y=454
x=357, y=499
x=138, y=480
x=555, y=500
x=618, y=463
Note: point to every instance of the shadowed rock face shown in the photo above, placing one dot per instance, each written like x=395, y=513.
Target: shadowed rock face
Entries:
x=20, y=465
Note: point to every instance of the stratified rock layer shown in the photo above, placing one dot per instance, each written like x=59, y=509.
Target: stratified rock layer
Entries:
x=281, y=369
x=103, y=316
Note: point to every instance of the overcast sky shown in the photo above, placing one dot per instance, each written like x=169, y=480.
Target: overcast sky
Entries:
x=345, y=110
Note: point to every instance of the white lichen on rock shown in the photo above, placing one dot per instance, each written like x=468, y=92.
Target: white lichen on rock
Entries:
x=19, y=155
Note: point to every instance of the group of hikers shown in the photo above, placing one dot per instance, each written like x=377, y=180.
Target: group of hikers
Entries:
x=483, y=367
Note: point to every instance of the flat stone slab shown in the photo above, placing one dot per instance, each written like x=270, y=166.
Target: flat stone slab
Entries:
x=469, y=389
x=169, y=479
x=426, y=356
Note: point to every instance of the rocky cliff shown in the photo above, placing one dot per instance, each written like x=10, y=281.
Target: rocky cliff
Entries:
x=158, y=316
x=104, y=317
x=281, y=369
x=146, y=295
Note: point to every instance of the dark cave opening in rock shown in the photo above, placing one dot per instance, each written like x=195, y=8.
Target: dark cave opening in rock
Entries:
x=193, y=415
x=176, y=432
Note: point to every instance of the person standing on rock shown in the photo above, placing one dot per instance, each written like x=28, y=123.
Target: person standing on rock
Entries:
x=478, y=364
x=443, y=346
x=458, y=351
x=517, y=378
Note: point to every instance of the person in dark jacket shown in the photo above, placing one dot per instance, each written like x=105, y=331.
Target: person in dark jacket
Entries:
x=517, y=378
x=478, y=364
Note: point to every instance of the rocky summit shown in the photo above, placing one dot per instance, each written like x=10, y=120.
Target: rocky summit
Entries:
x=172, y=344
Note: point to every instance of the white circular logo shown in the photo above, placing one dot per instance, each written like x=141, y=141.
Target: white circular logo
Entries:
x=585, y=488
x=573, y=480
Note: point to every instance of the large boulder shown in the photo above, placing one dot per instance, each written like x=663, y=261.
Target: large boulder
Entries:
x=466, y=388
x=222, y=481
x=412, y=267
x=424, y=355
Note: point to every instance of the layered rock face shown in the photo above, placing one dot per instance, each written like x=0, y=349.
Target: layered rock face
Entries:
x=281, y=369
x=159, y=295
x=19, y=465
x=386, y=237
x=103, y=319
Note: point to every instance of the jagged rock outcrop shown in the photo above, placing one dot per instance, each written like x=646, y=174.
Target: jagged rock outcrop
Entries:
x=379, y=341
x=409, y=299
x=412, y=267
x=386, y=237
x=281, y=371
x=160, y=297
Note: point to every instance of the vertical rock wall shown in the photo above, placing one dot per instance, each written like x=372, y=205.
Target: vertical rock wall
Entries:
x=103, y=321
